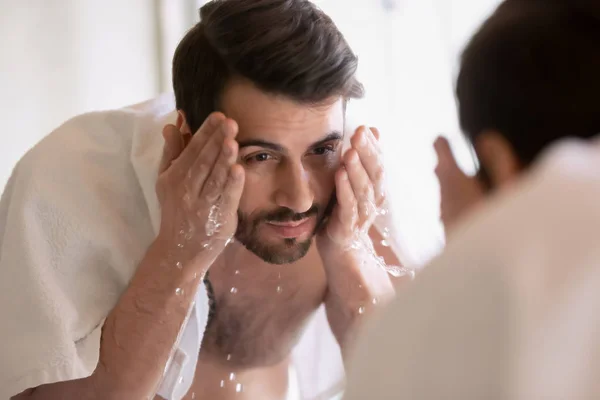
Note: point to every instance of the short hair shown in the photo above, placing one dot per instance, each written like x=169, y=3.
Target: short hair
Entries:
x=284, y=47
x=532, y=73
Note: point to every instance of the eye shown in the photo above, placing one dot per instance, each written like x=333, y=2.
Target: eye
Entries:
x=323, y=150
x=258, y=158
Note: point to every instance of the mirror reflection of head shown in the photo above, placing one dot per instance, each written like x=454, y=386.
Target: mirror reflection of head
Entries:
x=284, y=73
x=529, y=77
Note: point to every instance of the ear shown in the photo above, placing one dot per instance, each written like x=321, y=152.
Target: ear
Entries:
x=497, y=157
x=183, y=127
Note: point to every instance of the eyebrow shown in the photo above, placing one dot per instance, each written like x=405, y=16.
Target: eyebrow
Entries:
x=335, y=135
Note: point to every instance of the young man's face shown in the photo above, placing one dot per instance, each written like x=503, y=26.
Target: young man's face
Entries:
x=290, y=153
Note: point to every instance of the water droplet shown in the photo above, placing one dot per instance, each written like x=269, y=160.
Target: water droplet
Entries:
x=180, y=380
x=222, y=383
x=234, y=290
x=193, y=395
x=182, y=232
x=360, y=286
x=239, y=388
x=383, y=211
x=237, y=272
x=385, y=243
x=229, y=241
x=375, y=301
x=179, y=265
x=205, y=245
x=195, y=275
x=179, y=292
x=213, y=224
x=228, y=357
x=279, y=289
x=180, y=245
x=386, y=233
x=361, y=310
x=232, y=376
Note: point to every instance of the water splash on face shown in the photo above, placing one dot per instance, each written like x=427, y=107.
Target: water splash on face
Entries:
x=179, y=292
x=233, y=290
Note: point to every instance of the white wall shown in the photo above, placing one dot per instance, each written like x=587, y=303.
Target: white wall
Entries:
x=63, y=57
x=408, y=51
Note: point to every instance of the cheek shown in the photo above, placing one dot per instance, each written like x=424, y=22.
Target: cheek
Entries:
x=323, y=182
x=256, y=195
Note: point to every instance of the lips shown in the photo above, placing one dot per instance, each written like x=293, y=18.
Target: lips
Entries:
x=293, y=229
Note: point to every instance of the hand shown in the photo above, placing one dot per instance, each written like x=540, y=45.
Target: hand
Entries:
x=459, y=192
x=356, y=276
x=199, y=189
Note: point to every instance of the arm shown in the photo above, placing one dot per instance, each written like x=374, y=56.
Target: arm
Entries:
x=141, y=331
x=137, y=337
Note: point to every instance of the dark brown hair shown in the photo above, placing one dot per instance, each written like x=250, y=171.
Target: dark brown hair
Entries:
x=285, y=47
x=532, y=73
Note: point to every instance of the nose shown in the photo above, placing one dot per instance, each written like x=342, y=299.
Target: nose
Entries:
x=294, y=190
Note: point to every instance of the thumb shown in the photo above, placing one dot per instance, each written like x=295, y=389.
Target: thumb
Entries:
x=173, y=147
x=446, y=161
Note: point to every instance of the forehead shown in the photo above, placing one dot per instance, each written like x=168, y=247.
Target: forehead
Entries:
x=278, y=119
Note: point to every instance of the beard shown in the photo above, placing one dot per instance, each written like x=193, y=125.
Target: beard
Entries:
x=284, y=251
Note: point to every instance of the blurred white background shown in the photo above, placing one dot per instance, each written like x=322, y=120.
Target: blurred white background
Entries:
x=64, y=57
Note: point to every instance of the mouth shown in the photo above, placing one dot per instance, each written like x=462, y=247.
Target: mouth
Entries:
x=293, y=229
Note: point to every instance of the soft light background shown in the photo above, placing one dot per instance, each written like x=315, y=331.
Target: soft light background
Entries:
x=60, y=58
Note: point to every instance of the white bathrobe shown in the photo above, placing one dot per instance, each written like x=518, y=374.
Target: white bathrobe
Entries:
x=511, y=309
x=76, y=218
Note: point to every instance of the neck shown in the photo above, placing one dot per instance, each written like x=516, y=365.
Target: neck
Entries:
x=224, y=380
x=260, y=313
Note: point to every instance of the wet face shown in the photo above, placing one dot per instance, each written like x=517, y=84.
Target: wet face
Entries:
x=290, y=153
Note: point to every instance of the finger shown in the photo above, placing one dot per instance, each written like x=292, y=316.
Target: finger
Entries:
x=446, y=160
x=232, y=192
x=207, y=158
x=213, y=187
x=199, y=140
x=345, y=213
x=376, y=132
x=366, y=145
x=361, y=187
x=172, y=148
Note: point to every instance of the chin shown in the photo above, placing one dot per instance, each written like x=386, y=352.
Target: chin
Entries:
x=285, y=251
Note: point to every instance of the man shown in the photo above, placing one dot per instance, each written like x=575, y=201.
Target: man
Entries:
x=521, y=87
x=509, y=310
x=106, y=242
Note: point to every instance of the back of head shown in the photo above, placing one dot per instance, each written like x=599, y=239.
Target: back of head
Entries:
x=532, y=73
x=284, y=47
